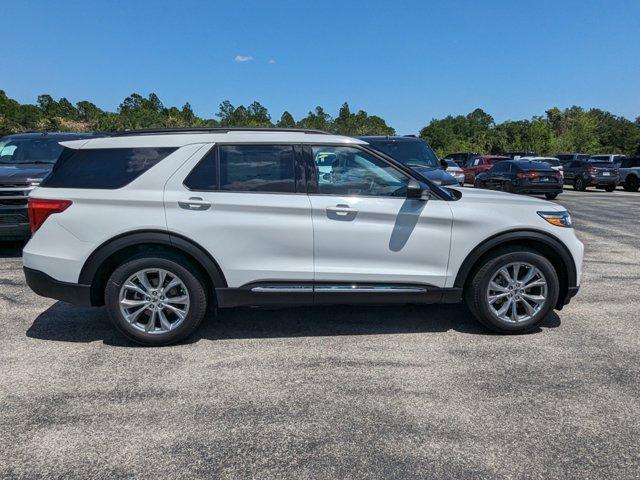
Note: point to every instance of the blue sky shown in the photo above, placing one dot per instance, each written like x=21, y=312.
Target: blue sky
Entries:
x=407, y=61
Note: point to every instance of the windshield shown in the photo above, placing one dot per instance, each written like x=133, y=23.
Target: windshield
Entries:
x=29, y=150
x=533, y=165
x=410, y=153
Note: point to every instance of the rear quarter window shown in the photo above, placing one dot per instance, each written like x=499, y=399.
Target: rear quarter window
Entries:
x=106, y=168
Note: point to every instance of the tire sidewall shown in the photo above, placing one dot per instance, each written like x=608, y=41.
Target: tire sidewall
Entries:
x=486, y=273
x=193, y=284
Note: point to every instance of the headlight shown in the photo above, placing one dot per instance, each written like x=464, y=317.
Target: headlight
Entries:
x=559, y=219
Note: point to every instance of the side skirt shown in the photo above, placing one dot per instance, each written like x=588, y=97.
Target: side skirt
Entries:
x=307, y=293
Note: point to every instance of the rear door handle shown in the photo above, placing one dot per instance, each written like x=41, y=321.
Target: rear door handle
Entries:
x=195, y=203
x=342, y=209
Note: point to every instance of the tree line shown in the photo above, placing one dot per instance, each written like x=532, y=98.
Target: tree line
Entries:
x=570, y=130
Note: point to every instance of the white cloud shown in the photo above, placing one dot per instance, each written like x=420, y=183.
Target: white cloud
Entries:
x=243, y=58
x=272, y=61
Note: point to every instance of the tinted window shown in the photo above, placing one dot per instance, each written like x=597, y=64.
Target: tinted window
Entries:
x=413, y=153
x=105, y=168
x=529, y=165
x=354, y=172
x=500, y=167
x=31, y=150
x=205, y=174
x=257, y=168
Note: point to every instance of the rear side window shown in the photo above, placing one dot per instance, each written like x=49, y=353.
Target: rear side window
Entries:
x=257, y=168
x=105, y=168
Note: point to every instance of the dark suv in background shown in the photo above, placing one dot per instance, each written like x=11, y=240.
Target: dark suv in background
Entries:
x=584, y=173
x=521, y=176
x=25, y=159
x=414, y=153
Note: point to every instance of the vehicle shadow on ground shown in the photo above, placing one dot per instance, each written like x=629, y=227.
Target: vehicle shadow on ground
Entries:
x=65, y=323
x=11, y=249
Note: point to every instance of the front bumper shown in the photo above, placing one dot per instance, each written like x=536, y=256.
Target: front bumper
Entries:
x=46, y=286
x=14, y=223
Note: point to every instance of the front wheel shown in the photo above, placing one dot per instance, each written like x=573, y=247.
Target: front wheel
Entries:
x=631, y=183
x=550, y=196
x=155, y=300
x=513, y=291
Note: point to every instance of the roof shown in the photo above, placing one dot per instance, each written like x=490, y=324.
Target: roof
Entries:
x=54, y=135
x=393, y=138
x=187, y=137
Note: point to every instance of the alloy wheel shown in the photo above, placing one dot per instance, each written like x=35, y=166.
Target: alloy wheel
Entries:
x=517, y=292
x=154, y=301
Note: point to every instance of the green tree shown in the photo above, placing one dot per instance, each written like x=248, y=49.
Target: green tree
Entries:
x=286, y=121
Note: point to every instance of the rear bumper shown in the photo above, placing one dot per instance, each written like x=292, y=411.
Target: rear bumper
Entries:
x=12, y=232
x=603, y=181
x=46, y=286
x=556, y=188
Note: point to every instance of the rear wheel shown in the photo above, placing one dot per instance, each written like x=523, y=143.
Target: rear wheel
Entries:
x=631, y=183
x=550, y=196
x=507, y=187
x=513, y=291
x=155, y=300
x=579, y=184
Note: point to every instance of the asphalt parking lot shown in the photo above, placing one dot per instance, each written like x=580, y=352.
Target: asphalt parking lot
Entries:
x=393, y=392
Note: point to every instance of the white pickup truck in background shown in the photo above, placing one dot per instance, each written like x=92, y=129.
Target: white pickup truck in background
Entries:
x=630, y=174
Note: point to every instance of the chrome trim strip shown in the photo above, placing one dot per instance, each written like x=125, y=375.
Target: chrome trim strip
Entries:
x=284, y=289
x=368, y=289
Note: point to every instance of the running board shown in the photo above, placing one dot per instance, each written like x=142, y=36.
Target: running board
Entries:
x=288, y=294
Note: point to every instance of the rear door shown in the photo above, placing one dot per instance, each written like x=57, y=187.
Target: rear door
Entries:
x=366, y=230
x=243, y=204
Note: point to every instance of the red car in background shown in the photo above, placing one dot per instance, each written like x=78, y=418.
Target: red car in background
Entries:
x=480, y=164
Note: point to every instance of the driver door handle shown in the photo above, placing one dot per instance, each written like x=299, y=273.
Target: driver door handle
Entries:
x=195, y=203
x=342, y=209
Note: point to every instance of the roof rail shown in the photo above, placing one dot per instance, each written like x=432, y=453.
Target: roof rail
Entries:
x=161, y=131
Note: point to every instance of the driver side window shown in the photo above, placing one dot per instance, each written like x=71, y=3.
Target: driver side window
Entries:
x=350, y=171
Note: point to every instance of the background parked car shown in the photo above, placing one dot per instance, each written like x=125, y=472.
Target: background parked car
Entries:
x=25, y=159
x=521, y=176
x=480, y=164
x=415, y=153
x=461, y=158
x=584, y=173
x=630, y=174
x=518, y=155
x=551, y=161
x=607, y=157
x=455, y=171
x=568, y=157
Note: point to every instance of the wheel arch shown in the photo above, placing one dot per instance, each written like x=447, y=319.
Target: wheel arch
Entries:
x=545, y=243
x=106, y=258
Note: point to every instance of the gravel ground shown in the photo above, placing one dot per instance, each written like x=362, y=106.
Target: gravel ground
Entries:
x=399, y=392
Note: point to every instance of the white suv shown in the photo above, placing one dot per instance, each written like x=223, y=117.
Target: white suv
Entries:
x=159, y=225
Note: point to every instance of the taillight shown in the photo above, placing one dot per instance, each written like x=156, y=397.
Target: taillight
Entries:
x=41, y=208
x=529, y=175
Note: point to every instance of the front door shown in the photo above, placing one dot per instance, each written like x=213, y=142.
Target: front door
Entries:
x=365, y=229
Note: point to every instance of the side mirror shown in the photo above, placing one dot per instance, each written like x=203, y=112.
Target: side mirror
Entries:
x=417, y=191
x=443, y=164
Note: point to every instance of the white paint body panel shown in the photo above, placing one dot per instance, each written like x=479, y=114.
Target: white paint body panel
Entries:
x=389, y=240
x=258, y=237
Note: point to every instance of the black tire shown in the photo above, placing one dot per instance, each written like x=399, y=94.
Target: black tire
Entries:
x=579, y=184
x=476, y=290
x=609, y=188
x=477, y=184
x=550, y=196
x=631, y=183
x=193, y=284
x=507, y=187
